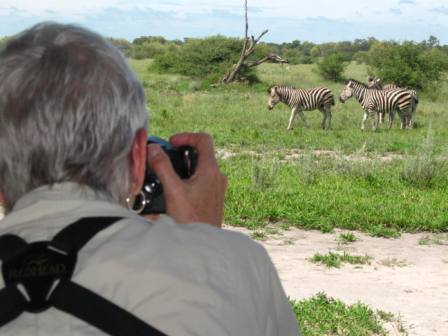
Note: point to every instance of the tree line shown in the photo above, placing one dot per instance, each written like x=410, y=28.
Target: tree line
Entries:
x=413, y=64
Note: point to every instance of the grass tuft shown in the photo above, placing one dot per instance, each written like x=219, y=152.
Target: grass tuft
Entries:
x=347, y=237
x=322, y=315
x=333, y=259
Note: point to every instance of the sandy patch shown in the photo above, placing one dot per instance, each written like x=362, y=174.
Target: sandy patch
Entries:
x=404, y=278
x=290, y=155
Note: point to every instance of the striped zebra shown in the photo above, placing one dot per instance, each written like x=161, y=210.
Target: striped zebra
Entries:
x=299, y=100
x=374, y=101
x=376, y=83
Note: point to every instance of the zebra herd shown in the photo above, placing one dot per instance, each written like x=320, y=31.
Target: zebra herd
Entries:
x=376, y=100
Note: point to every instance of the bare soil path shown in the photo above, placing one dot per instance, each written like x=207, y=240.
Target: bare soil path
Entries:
x=404, y=277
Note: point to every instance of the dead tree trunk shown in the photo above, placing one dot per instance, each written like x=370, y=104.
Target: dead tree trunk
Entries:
x=246, y=51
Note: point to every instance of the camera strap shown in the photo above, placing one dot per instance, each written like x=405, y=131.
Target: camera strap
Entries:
x=38, y=275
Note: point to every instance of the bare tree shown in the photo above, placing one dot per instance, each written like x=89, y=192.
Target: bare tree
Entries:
x=246, y=51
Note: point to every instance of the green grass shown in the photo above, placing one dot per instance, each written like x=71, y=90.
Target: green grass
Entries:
x=376, y=201
x=336, y=260
x=312, y=191
x=347, y=237
x=321, y=315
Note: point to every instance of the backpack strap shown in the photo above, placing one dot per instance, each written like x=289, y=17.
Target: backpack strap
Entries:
x=99, y=312
x=11, y=300
x=44, y=269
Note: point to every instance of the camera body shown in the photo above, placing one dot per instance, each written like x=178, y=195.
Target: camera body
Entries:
x=183, y=159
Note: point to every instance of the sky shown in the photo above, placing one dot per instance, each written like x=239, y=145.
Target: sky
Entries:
x=287, y=20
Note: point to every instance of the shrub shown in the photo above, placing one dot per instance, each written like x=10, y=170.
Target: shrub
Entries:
x=206, y=59
x=331, y=67
x=423, y=168
x=323, y=315
x=407, y=64
x=152, y=48
x=122, y=44
x=3, y=40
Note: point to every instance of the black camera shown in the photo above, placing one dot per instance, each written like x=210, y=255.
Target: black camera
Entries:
x=184, y=160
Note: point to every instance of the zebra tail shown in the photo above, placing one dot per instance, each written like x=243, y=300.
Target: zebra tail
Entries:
x=332, y=101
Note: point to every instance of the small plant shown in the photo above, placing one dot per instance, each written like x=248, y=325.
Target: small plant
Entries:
x=393, y=262
x=264, y=174
x=347, y=237
x=323, y=315
x=421, y=169
x=259, y=235
x=333, y=259
x=384, y=232
x=435, y=239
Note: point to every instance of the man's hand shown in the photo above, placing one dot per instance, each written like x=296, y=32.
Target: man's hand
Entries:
x=199, y=198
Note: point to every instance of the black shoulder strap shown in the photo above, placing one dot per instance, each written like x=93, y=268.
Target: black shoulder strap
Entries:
x=64, y=294
x=99, y=312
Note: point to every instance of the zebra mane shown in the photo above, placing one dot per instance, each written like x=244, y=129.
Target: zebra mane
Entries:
x=357, y=82
x=280, y=87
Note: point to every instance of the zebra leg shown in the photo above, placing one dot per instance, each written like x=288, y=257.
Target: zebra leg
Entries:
x=324, y=117
x=374, y=116
x=412, y=118
x=381, y=115
x=328, y=114
x=403, y=121
x=291, y=118
x=391, y=118
x=364, y=118
x=302, y=115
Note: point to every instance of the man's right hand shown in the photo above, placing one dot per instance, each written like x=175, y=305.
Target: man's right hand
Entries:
x=199, y=198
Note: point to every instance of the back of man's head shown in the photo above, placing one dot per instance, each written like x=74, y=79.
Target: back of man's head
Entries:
x=69, y=109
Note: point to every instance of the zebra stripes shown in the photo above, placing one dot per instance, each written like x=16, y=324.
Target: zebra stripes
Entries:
x=376, y=83
x=300, y=100
x=374, y=101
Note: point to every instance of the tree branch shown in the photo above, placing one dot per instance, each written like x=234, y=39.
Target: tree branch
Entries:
x=270, y=57
x=246, y=51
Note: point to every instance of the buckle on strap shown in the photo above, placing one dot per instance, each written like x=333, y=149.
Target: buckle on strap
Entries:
x=37, y=270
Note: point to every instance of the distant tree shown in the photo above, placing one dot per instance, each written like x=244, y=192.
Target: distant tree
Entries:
x=406, y=64
x=332, y=67
x=3, y=40
x=144, y=39
x=122, y=44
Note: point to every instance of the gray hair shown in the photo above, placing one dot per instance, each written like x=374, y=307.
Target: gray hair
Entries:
x=70, y=108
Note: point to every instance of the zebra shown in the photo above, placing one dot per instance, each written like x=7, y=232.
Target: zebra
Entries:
x=374, y=101
x=300, y=100
x=376, y=83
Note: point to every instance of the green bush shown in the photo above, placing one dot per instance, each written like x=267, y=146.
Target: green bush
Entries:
x=407, y=64
x=323, y=315
x=151, y=49
x=332, y=67
x=207, y=59
x=294, y=56
x=3, y=40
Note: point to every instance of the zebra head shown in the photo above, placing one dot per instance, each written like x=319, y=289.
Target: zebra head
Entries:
x=375, y=83
x=274, y=97
x=347, y=92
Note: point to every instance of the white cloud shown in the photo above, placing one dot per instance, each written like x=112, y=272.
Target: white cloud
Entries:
x=223, y=16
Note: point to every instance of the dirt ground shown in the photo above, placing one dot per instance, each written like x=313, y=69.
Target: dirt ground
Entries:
x=404, y=277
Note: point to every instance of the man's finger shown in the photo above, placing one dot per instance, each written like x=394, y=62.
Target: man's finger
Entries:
x=160, y=164
x=202, y=142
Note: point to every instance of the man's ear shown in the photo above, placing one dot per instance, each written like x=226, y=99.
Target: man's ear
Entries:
x=138, y=161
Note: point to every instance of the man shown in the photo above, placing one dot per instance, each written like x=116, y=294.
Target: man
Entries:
x=73, y=143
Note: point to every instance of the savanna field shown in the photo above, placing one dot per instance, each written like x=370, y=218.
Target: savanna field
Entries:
x=384, y=183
